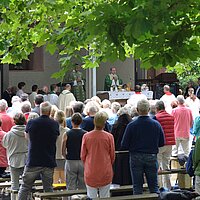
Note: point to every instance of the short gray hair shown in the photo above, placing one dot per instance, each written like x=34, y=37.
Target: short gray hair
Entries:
x=93, y=109
x=180, y=99
x=45, y=108
x=160, y=105
x=3, y=105
x=143, y=106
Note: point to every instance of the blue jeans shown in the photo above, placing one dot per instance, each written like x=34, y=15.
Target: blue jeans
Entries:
x=30, y=175
x=141, y=164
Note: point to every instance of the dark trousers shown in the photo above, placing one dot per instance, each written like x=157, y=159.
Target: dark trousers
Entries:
x=2, y=170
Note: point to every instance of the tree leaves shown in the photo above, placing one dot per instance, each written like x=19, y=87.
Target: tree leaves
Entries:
x=159, y=33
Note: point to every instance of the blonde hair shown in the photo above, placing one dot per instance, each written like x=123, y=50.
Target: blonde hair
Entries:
x=100, y=119
x=54, y=108
x=60, y=117
x=69, y=111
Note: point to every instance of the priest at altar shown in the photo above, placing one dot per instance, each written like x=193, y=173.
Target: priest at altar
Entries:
x=112, y=80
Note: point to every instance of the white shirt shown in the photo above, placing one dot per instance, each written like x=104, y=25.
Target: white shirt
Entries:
x=168, y=99
x=193, y=105
x=133, y=100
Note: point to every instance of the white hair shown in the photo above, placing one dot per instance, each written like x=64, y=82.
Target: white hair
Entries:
x=106, y=103
x=15, y=99
x=3, y=105
x=91, y=105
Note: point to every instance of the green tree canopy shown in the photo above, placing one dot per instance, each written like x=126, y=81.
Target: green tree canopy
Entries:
x=186, y=73
x=159, y=32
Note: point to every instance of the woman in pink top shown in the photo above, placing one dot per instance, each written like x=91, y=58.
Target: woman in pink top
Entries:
x=3, y=157
x=98, y=155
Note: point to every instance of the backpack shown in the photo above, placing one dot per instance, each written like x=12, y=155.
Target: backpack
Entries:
x=177, y=195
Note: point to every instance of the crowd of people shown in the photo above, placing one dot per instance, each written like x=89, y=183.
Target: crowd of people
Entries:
x=96, y=142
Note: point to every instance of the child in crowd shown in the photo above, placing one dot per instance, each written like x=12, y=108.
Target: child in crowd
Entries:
x=60, y=160
x=71, y=147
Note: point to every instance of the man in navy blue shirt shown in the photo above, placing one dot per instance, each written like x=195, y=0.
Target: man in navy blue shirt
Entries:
x=42, y=133
x=142, y=138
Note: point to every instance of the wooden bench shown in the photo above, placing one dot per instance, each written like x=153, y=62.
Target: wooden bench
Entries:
x=172, y=171
x=4, y=179
x=134, y=197
x=37, y=187
x=50, y=195
x=113, y=191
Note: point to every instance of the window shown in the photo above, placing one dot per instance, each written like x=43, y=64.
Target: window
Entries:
x=35, y=61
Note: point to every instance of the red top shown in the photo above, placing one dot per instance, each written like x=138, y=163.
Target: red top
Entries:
x=98, y=155
x=168, y=93
x=3, y=157
x=7, y=121
x=167, y=122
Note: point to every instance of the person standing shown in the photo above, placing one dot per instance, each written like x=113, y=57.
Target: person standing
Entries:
x=71, y=149
x=33, y=95
x=98, y=155
x=59, y=170
x=17, y=149
x=142, y=138
x=7, y=96
x=65, y=97
x=196, y=164
x=193, y=102
x=52, y=96
x=112, y=80
x=137, y=96
x=122, y=174
x=44, y=91
x=20, y=86
x=3, y=157
x=168, y=98
x=196, y=127
x=39, y=98
x=183, y=121
x=167, y=122
x=78, y=84
x=42, y=134
x=7, y=121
